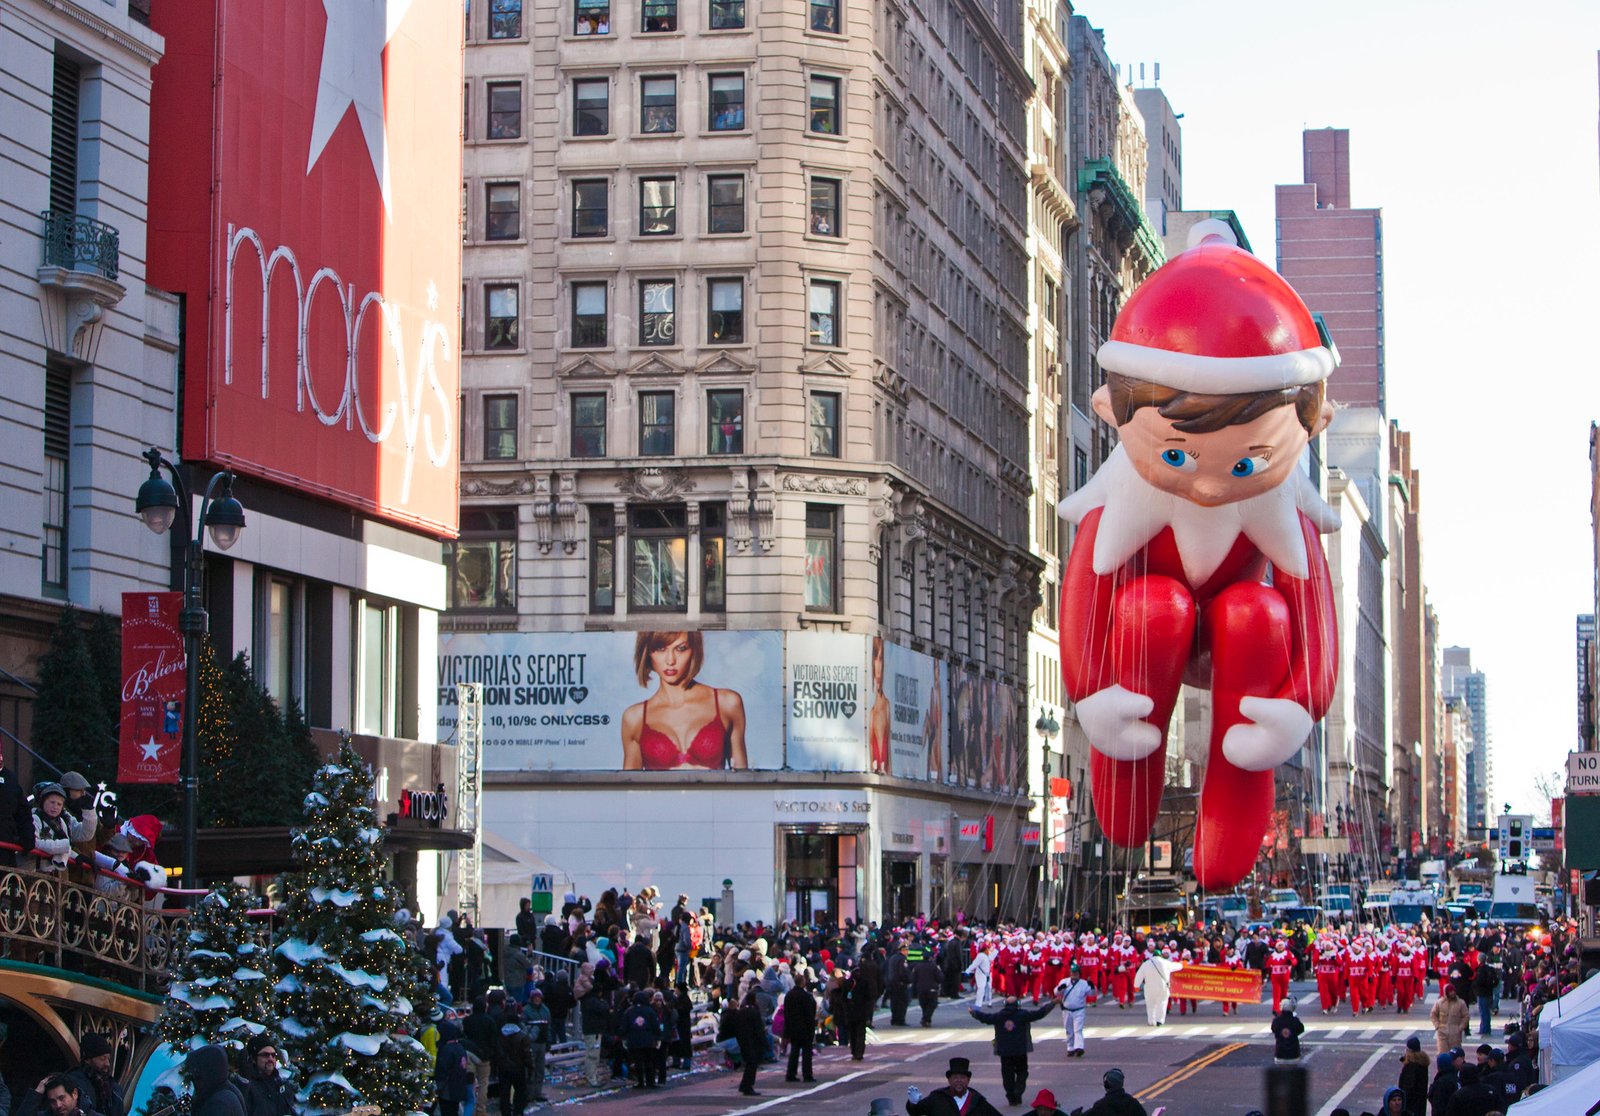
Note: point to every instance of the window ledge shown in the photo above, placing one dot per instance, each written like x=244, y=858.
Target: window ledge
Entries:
x=819, y=238
x=487, y=142
x=677, y=135
x=824, y=619
x=829, y=136
x=725, y=236
x=517, y=242
x=490, y=41
x=646, y=238
x=710, y=133
x=581, y=240
x=574, y=37
x=605, y=137
x=518, y=351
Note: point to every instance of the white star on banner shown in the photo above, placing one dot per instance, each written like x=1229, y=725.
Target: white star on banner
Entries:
x=352, y=76
x=151, y=749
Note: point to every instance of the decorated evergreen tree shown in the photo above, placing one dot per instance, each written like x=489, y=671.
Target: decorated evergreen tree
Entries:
x=348, y=984
x=71, y=727
x=220, y=992
x=254, y=757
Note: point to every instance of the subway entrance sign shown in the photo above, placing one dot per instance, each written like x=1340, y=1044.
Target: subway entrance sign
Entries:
x=542, y=894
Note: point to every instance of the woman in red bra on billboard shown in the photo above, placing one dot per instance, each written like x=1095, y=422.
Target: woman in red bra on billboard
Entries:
x=685, y=723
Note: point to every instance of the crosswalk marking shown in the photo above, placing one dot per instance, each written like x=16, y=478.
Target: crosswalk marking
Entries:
x=1370, y=1033
x=1337, y=1031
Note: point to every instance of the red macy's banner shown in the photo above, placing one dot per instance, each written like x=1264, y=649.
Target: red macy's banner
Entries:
x=1212, y=982
x=151, y=736
x=305, y=194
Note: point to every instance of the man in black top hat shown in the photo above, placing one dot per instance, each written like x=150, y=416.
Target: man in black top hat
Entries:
x=957, y=1098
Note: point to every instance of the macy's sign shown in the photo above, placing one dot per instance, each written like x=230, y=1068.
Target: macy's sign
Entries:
x=413, y=384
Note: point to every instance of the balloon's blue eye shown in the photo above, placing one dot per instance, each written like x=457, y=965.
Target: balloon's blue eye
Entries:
x=1243, y=467
x=1175, y=457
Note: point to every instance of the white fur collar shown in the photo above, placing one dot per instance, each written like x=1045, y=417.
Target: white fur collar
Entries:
x=1136, y=512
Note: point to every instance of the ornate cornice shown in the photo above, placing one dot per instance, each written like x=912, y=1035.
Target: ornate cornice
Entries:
x=826, y=486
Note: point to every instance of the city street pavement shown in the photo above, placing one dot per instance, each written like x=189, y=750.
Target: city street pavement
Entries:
x=1209, y=1065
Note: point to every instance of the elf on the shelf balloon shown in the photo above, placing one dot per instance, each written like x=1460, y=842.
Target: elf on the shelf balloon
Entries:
x=1197, y=556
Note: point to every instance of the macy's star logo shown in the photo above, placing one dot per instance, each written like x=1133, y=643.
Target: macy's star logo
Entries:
x=352, y=77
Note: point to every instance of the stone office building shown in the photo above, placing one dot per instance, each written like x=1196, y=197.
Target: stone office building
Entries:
x=745, y=321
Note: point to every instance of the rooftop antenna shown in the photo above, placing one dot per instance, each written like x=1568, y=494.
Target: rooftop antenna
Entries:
x=1141, y=73
x=1158, y=73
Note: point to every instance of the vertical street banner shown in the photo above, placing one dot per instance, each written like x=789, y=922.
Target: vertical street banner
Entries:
x=915, y=686
x=832, y=705
x=150, y=737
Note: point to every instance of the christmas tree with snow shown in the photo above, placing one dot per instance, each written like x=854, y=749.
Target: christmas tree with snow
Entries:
x=350, y=989
x=220, y=991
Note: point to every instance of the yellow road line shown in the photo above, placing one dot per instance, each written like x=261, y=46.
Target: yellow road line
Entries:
x=1183, y=1073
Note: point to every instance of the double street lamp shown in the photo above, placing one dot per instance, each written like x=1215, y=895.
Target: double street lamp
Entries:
x=159, y=503
x=1047, y=727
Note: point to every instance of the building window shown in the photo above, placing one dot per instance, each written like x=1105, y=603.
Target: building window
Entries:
x=714, y=557
x=482, y=563
x=658, y=559
x=1080, y=468
x=727, y=103
x=822, y=558
x=505, y=19
x=725, y=314
x=65, y=131
x=725, y=421
x=823, y=312
x=589, y=315
x=602, y=558
x=57, y=449
x=503, y=217
x=660, y=15
x=377, y=638
x=591, y=107
x=589, y=424
x=725, y=194
x=658, y=206
x=657, y=318
x=277, y=643
x=727, y=15
x=825, y=207
x=657, y=435
x=505, y=110
x=499, y=427
x=823, y=414
x=658, y=105
x=591, y=207
x=592, y=17
x=825, y=16
x=825, y=105
x=500, y=316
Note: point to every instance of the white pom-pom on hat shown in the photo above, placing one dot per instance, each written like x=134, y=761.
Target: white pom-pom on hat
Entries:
x=1200, y=231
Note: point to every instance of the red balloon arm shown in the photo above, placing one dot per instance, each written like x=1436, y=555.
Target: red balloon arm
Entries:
x=1314, y=659
x=1085, y=617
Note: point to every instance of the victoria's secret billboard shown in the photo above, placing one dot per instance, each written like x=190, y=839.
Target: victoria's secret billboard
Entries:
x=305, y=190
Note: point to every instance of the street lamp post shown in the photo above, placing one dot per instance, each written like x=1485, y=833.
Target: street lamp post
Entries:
x=1047, y=727
x=159, y=504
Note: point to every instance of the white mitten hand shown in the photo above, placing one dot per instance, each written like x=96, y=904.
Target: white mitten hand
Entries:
x=1280, y=728
x=913, y=1094
x=1111, y=718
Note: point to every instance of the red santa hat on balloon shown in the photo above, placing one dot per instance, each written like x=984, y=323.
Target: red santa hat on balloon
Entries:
x=1255, y=333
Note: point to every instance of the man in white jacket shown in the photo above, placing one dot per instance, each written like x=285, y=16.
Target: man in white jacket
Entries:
x=1155, y=977
x=1075, y=994
x=982, y=994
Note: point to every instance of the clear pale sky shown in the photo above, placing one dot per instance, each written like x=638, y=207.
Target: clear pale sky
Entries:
x=1473, y=126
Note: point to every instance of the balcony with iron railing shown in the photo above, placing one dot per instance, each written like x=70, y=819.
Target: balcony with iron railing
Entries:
x=78, y=243
x=79, y=268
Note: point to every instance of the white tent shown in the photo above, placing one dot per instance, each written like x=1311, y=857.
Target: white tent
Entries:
x=1569, y=1029
x=508, y=873
x=1576, y=1094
